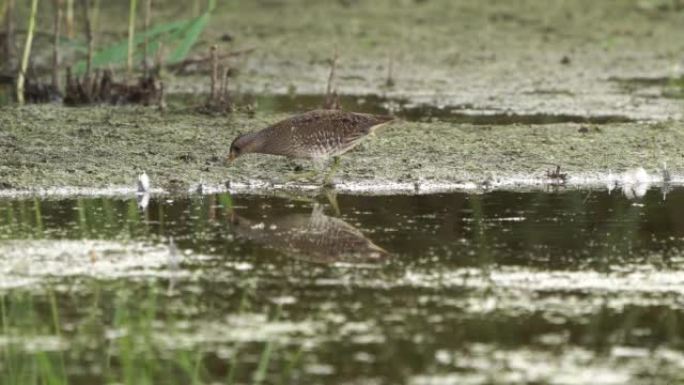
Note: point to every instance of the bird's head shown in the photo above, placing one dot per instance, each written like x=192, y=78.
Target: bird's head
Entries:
x=241, y=145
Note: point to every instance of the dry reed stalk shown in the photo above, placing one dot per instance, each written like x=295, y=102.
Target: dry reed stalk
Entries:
x=57, y=31
x=21, y=77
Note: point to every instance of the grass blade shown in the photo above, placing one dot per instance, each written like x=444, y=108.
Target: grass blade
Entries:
x=182, y=35
x=189, y=37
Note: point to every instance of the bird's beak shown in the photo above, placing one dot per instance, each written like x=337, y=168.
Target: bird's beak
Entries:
x=230, y=158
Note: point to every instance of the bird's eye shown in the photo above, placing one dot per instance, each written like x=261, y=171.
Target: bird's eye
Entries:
x=236, y=150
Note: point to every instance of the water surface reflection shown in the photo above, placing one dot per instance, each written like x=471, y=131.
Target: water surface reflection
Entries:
x=501, y=287
x=316, y=237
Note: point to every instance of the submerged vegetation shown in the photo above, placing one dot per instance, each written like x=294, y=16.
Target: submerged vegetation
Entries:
x=130, y=340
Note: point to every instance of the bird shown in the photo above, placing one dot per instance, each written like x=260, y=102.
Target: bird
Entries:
x=317, y=135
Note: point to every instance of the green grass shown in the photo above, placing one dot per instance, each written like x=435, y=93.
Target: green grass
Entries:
x=178, y=37
x=117, y=331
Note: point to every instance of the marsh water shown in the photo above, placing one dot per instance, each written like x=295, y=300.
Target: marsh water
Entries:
x=561, y=286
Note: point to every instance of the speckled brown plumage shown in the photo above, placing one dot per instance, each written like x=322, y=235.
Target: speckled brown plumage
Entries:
x=315, y=134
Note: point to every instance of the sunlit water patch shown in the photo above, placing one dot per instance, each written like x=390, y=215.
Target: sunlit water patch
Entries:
x=561, y=287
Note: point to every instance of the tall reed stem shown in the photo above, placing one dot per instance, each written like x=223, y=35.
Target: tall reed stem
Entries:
x=95, y=15
x=70, y=18
x=9, y=33
x=21, y=78
x=196, y=8
x=55, y=42
x=214, y=72
x=148, y=16
x=87, y=19
x=131, y=35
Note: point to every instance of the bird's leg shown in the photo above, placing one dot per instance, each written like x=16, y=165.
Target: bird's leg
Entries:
x=299, y=175
x=306, y=176
x=327, y=181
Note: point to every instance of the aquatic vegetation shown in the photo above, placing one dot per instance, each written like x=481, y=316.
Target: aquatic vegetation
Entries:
x=134, y=343
x=177, y=37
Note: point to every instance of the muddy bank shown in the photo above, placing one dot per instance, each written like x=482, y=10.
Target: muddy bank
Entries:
x=559, y=57
x=46, y=146
x=495, y=95
x=553, y=57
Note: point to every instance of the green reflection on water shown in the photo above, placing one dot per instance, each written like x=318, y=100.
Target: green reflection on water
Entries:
x=117, y=340
x=250, y=308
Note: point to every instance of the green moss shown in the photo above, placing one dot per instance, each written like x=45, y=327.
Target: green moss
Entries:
x=47, y=146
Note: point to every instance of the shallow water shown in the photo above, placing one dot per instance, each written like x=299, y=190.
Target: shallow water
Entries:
x=562, y=287
x=406, y=109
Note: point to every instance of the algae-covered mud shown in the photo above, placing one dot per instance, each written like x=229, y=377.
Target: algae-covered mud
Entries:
x=46, y=147
x=569, y=287
x=554, y=57
x=488, y=93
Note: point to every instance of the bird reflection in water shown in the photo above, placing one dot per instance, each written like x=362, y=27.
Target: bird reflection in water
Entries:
x=315, y=238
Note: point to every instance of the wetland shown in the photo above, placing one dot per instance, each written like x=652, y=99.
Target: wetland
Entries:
x=520, y=223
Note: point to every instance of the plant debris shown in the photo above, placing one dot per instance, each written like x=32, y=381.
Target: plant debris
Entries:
x=332, y=100
x=220, y=100
x=556, y=176
x=103, y=89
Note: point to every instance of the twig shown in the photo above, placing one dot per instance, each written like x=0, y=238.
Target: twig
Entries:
x=224, y=97
x=162, y=98
x=204, y=59
x=390, y=71
x=55, y=43
x=21, y=78
x=331, y=76
x=214, y=71
x=332, y=101
x=159, y=59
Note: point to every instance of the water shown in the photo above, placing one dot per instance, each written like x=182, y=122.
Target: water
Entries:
x=665, y=87
x=566, y=287
x=405, y=109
